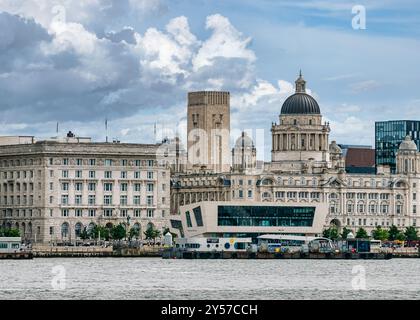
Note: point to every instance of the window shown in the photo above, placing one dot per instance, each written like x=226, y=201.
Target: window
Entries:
x=92, y=186
x=79, y=162
x=138, y=163
x=91, y=212
x=65, y=199
x=123, y=200
x=66, y=161
x=78, y=199
x=265, y=216
x=108, y=174
x=198, y=216
x=123, y=174
x=65, y=186
x=108, y=162
x=92, y=174
x=91, y=199
x=188, y=217
x=78, y=186
x=249, y=193
x=123, y=162
x=150, y=213
x=92, y=162
x=51, y=199
x=108, y=200
x=136, y=200
x=137, y=213
x=137, y=175
x=137, y=187
x=279, y=194
x=78, y=213
x=150, y=163
x=51, y=186
x=65, y=173
x=123, y=187
x=150, y=187
x=241, y=194
x=65, y=213
x=123, y=213
x=149, y=201
x=149, y=175
x=108, y=212
x=107, y=186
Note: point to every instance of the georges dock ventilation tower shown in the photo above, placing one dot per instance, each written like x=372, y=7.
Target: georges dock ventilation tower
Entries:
x=208, y=131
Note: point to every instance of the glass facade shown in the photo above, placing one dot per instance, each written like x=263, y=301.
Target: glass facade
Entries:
x=389, y=135
x=265, y=216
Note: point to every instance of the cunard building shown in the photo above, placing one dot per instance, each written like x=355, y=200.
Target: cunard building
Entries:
x=303, y=189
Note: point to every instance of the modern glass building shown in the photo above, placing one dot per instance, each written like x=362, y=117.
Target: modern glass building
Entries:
x=389, y=135
x=249, y=219
x=265, y=216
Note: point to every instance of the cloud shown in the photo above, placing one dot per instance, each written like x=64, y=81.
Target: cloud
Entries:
x=226, y=41
x=364, y=86
x=63, y=71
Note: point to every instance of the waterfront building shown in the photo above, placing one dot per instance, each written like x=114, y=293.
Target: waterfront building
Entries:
x=389, y=135
x=230, y=219
x=306, y=170
x=51, y=190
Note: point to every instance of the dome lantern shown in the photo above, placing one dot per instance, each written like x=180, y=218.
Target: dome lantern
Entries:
x=300, y=102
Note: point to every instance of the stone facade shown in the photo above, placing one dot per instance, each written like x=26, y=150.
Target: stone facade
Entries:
x=208, y=131
x=52, y=190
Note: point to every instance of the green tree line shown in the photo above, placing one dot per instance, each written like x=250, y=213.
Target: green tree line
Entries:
x=379, y=233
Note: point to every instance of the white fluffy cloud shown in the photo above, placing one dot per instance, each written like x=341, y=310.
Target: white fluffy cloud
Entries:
x=57, y=68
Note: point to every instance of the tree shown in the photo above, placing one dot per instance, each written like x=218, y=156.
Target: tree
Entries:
x=13, y=232
x=151, y=233
x=345, y=233
x=331, y=233
x=362, y=234
x=394, y=233
x=100, y=231
x=380, y=234
x=118, y=232
x=84, y=234
x=411, y=233
x=174, y=235
x=133, y=233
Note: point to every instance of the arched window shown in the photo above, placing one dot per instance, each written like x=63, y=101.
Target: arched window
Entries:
x=78, y=229
x=65, y=230
x=90, y=227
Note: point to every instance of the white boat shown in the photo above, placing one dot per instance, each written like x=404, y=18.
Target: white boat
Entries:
x=201, y=244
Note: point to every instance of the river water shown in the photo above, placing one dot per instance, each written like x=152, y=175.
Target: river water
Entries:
x=155, y=278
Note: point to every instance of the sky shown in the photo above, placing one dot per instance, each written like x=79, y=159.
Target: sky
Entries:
x=133, y=61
